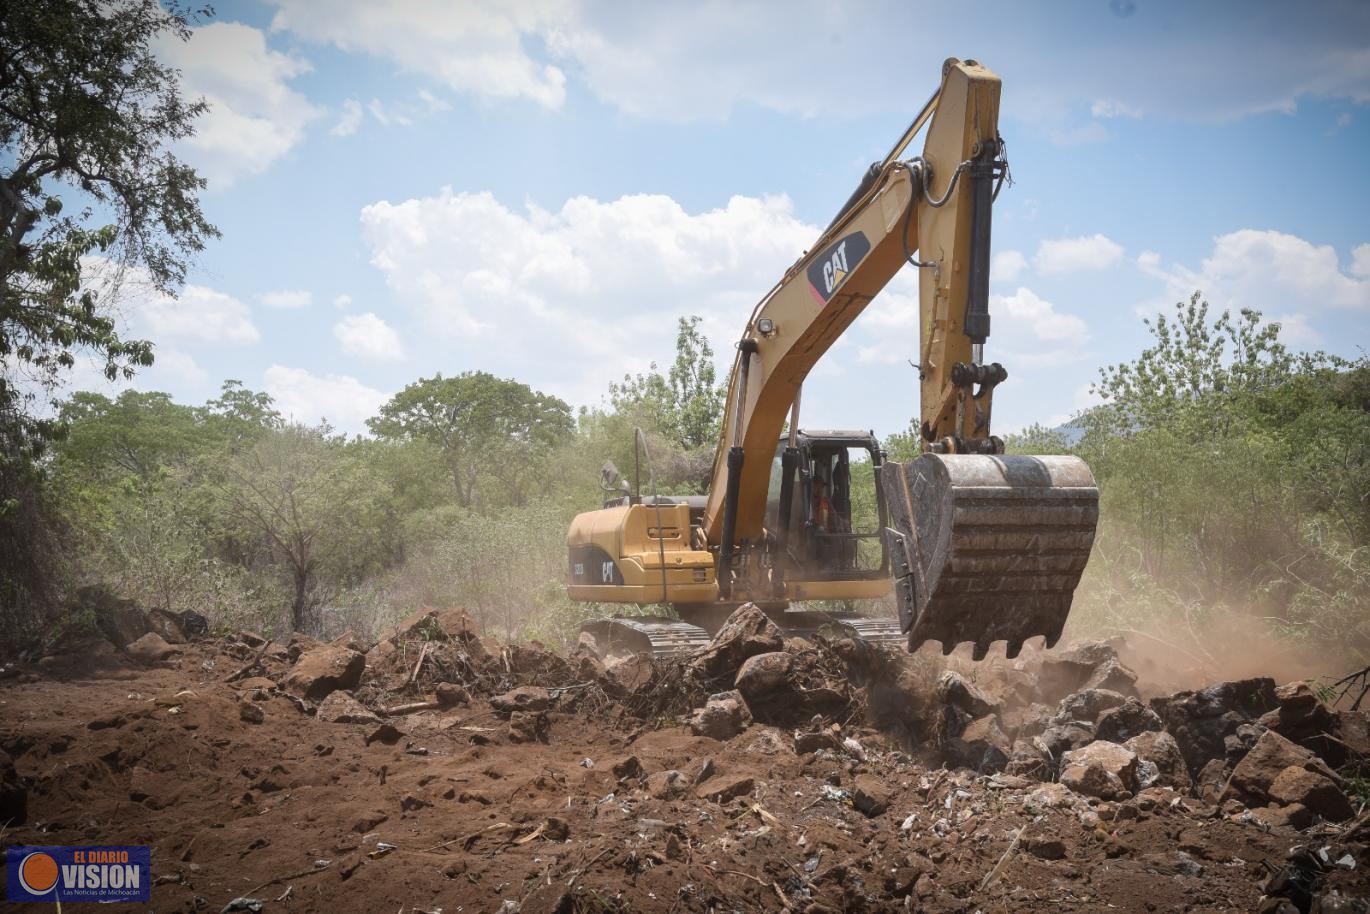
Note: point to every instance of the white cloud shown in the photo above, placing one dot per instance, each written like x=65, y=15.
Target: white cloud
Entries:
x=1109, y=108
x=306, y=397
x=198, y=313
x=342, y=302
x=474, y=47
x=386, y=117
x=369, y=337
x=1029, y=311
x=1006, y=265
x=287, y=298
x=1269, y=271
x=1069, y=255
x=254, y=117
x=349, y=120
x=1082, y=135
x=585, y=292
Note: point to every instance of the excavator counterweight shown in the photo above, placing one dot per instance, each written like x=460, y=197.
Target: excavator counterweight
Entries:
x=987, y=548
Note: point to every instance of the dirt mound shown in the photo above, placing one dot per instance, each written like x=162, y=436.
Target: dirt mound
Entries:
x=435, y=770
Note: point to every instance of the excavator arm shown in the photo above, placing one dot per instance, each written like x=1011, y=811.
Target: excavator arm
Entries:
x=985, y=547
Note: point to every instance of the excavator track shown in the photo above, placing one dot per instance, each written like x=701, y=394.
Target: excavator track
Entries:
x=668, y=638
x=987, y=548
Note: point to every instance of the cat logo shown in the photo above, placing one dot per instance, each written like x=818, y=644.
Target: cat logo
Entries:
x=831, y=268
x=606, y=572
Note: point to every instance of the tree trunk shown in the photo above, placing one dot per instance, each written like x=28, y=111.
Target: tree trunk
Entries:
x=299, y=610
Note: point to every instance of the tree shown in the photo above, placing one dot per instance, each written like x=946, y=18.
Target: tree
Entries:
x=485, y=427
x=686, y=405
x=86, y=107
x=299, y=489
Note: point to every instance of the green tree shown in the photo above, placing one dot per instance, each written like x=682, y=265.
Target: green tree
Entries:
x=86, y=109
x=686, y=404
x=486, y=428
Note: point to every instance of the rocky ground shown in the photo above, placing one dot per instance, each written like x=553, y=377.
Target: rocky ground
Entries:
x=433, y=771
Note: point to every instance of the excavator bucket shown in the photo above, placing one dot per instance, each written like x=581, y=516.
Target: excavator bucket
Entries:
x=987, y=548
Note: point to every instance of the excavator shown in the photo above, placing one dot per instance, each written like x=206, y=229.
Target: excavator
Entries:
x=978, y=546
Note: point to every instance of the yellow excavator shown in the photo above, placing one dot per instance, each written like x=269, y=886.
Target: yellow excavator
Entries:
x=978, y=546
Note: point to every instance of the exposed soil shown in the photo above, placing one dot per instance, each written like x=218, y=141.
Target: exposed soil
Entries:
x=469, y=809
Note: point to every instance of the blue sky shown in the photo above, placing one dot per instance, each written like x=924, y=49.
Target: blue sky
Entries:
x=538, y=189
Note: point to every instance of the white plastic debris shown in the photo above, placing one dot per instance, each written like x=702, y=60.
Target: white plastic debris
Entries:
x=855, y=748
x=587, y=763
x=907, y=824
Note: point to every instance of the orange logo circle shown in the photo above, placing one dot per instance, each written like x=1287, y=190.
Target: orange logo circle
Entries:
x=38, y=873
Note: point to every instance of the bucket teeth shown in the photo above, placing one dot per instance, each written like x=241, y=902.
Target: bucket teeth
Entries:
x=987, y=548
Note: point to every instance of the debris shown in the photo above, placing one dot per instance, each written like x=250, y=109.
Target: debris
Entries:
x=1003, y=861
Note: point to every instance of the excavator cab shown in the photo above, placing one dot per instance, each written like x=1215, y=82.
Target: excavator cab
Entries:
x=837, y=510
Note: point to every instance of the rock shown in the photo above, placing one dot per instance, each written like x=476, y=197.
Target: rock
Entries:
x=632, y=672
x=524, y=698
x=1045, y=848
x=870, y=796
x=667, y=785
x=369, y=821
x=726, y=787
x=1101, y=769
x=14, y=799
x=411, y=802
x=1271, y=755
x=981, y=746
x=1028, y=760
x=166, y=624
x=747, y=632
x=1353, y=729
x=1120, y=724
x=1069, y=670
x=1053, y=796
x=341, y=708
x=1159, y=761
x=763, y=675
x=804, y=743
x=322, y=670
x=724, y=716
x=1202, y=720
x=387, y=734
x=631, y=767
x=1211, y=781
x=1061, y=738
x=251, y=712
x=1087, y=705
x=1026, y=722
x=1112, y=676
x=150, y=649
x=192, y=623
x=1293, y=816
x=528, y=727
x=1314, y=792
x=1302, y=718
x=119, y=620
x=954, y=690
x=449, y=695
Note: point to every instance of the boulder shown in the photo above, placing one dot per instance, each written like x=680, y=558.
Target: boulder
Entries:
x=667, y=785
x=341, y=708
x=1292, y=816
x=632, y=671
x=449, y=695
x=192, y=623
x=1026, y=722
x=1120, y=724
x=1061, y=738
x=764, y=675
x=1202, y=720
x=726, y=787
x=870, y=795
x=1318, y=794
x=748, y=632
x=981, y=746
x=1159, y=761
x=1302, y=718
x=151, y=648
x=119, y=620
x=1353, y=729
x=166, y=624
x=1101, y=769
x=523, y=698
x=1211, y=781
x=251, y=713
x=724, y=716
x=323, y=669
x=528, y=727
x=1267, y=760
x=1069, y=670
x=1114, y=677
x=1028, y=760
x=804, y=743
x=1087, y=705
x=954, y=690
